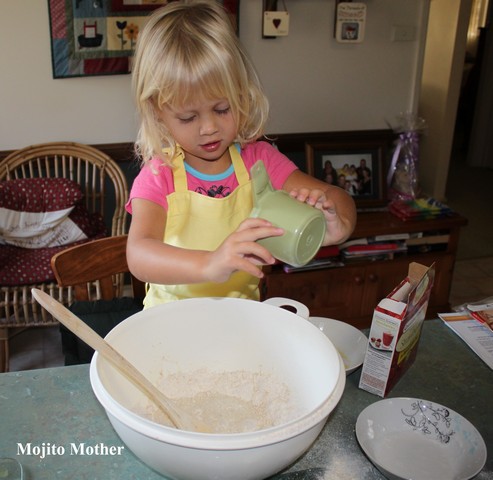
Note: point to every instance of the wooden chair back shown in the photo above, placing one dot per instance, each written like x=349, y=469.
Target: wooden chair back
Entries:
x=92, y=269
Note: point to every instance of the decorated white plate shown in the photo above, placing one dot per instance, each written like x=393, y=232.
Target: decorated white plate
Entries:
x=408, y=438
x=348, y=340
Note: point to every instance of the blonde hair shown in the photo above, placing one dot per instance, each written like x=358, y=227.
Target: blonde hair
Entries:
x=187, y=51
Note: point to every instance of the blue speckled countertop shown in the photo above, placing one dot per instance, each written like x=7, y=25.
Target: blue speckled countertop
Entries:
x=57, y=407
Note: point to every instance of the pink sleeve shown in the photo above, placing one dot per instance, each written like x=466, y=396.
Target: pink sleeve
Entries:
x=154, y=182
x=278, y=166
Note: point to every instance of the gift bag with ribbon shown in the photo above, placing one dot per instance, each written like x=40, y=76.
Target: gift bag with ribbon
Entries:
x=402, y=178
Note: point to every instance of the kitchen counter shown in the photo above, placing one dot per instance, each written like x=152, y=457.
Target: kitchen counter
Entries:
x=53, y=413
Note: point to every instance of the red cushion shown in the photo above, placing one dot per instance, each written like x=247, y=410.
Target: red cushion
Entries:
x=26, y=266
x=92, y=224
x=39, y=194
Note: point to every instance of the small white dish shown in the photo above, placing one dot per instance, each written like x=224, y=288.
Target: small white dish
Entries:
x=348, y=340
x=409, y=438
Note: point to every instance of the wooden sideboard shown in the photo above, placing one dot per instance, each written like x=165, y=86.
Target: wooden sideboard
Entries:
x=350, y=293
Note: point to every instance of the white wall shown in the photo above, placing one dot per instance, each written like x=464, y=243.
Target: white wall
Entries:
x=317, y=84
x=314, y=83
x=36, y=108
x=443, y=68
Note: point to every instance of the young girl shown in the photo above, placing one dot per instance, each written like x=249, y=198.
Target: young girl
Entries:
x=202, y=110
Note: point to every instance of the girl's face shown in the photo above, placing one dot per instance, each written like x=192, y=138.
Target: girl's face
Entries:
x=204, y=129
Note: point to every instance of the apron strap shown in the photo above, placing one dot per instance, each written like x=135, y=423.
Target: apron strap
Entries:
x=240, y=170
x=179, y=172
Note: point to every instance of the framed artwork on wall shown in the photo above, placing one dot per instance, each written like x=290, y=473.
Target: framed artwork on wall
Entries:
x=357, y=166
x=98, y=37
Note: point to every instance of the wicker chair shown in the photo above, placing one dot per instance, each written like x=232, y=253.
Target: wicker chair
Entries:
x=104, y=187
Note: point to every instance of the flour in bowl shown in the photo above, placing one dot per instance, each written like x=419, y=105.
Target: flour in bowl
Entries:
x=229, y=402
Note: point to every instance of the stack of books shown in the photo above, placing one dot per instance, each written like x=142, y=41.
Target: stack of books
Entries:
x=419, y=209
x=379, y=247
x=372, y=249
x=327, y=257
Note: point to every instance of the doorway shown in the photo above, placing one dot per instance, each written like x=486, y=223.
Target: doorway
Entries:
x=480, y=138
x=473, y=68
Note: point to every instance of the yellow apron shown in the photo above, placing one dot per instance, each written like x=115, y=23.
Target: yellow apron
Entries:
x=199, y=222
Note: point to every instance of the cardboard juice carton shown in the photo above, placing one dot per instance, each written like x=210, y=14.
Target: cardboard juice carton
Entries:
x=395, y=331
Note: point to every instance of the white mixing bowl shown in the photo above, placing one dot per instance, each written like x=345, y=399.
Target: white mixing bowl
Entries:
x=220, y=335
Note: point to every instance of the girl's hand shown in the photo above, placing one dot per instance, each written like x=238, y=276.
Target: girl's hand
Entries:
x=240, y=252
x=336, y=204
x=337, y=229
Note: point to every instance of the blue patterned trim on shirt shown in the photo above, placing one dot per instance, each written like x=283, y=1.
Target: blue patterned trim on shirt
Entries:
x=209, y=178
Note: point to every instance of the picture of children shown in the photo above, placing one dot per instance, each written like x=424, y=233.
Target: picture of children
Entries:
x=353, y=172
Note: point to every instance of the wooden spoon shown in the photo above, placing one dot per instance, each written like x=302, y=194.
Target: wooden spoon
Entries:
x=177, y=418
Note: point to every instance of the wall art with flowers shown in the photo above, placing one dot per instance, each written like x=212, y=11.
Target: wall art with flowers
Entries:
x=98, y=37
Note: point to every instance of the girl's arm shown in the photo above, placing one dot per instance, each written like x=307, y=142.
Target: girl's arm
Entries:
x=336, y=204
x=153, y=261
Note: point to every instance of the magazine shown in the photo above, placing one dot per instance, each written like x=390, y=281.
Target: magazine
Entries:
x=476, y=334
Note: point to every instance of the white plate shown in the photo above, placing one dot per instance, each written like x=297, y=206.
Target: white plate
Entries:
x=379, y=346
x=348, y=340
x=408, y=438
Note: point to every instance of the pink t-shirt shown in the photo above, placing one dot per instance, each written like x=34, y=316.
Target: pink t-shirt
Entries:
x=155, y=180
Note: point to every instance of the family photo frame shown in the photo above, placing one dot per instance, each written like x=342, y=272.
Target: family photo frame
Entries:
x=357, y=165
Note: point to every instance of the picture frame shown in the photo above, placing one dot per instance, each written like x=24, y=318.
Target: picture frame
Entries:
x=357, y=165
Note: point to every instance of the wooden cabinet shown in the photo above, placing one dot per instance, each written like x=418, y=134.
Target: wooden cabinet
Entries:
x=350, y=293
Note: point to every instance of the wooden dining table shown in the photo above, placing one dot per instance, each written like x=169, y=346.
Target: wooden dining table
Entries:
x=53, y=425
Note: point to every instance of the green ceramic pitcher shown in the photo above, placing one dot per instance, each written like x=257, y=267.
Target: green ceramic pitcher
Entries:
x=304, y=225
